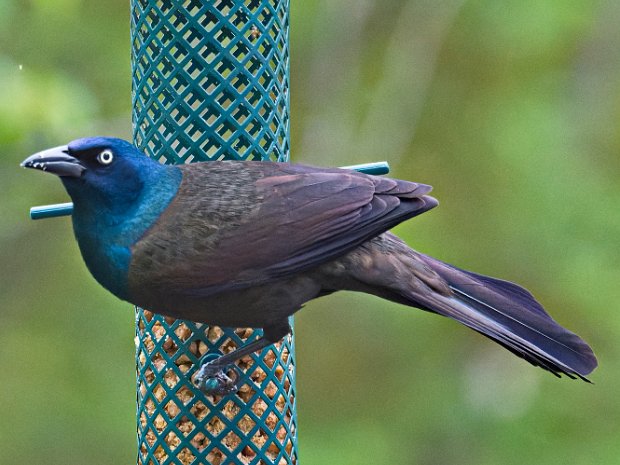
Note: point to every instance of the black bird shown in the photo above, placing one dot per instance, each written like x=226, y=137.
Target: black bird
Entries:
x=246, y=244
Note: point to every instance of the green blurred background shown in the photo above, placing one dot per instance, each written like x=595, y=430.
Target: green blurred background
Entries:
x=510, y=109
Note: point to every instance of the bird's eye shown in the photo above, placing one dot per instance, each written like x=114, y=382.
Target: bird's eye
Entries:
x=105, y=157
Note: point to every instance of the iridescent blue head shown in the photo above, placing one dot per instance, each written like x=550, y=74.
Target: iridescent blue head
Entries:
x=98, y=172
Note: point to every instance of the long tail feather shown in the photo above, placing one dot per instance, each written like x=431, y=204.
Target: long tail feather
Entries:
x=510, y=316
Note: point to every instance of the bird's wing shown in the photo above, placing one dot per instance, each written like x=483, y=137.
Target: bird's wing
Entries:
x=282, y=219
x=321, y=215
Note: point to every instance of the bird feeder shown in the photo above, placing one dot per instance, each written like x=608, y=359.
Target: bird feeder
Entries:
x=211, y=82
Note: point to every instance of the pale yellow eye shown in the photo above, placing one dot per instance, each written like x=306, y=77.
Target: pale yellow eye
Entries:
x=105, y=157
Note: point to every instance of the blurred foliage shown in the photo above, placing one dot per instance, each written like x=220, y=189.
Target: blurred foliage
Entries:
x=511, y=109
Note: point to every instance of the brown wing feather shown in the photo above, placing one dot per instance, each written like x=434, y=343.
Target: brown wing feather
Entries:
x=279, y=220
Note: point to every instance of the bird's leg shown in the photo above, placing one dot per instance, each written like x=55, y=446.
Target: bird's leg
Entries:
x=211, y=377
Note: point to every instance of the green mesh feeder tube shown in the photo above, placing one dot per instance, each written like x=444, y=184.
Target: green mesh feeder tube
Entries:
x=210, y=82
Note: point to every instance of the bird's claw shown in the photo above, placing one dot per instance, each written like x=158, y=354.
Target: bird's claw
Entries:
x=213, y=380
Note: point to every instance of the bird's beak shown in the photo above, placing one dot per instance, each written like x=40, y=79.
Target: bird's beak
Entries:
x=56, y=161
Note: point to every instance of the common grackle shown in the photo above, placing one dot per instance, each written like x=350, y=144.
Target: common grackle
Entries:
x=246, y=244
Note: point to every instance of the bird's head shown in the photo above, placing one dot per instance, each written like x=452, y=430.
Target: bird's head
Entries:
x=97, y=171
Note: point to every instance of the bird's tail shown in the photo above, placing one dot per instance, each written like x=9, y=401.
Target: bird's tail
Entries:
x=509, y=315
x=500, y=310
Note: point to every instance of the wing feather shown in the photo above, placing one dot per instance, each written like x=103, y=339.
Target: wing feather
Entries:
x=296, y=218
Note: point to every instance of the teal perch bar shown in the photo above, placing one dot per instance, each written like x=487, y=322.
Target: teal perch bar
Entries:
x=377, y=168
x=51, y=211
x=65, y=209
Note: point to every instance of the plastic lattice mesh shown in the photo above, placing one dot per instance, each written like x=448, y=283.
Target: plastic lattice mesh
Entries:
x=178, y=424
x=210, y=81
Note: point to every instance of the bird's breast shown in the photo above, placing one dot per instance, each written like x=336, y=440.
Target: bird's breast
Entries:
x=107, y=261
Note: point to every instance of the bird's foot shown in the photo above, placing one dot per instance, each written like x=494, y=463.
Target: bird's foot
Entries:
x=213, y=380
